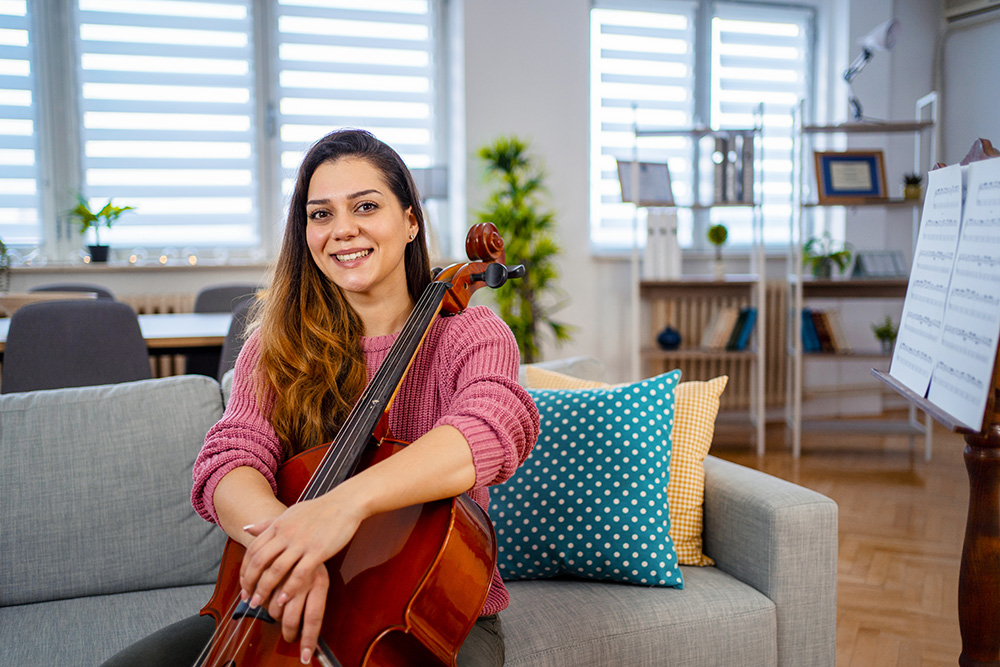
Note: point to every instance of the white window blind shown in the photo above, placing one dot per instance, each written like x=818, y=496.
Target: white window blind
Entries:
x=641, y=59
x=761, y=55
x=19, y=199
x=344, y=63
x=167, y=105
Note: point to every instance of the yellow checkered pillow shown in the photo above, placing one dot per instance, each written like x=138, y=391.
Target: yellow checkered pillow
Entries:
x=694, y=425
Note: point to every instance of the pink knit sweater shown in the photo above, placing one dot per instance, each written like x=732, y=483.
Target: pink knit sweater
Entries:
x=465, y=375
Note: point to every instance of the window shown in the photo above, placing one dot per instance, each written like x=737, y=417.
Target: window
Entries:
x=167, y=119
x=19, y=200
x=751, y=54
x=197, y=112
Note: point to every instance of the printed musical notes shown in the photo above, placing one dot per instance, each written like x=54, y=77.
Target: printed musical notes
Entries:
x=934, y=257
x=963, y=369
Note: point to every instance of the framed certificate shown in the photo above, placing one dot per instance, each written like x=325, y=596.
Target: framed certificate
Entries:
x=654, y=183
x=849, y=177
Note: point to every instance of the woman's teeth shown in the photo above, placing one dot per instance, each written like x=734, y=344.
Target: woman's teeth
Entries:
x=352, y=256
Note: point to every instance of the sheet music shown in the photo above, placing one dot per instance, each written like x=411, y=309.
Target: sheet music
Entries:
x=921, y=323
x=963, y=372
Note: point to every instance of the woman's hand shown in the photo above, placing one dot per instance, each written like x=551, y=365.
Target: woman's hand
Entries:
x=284, y=567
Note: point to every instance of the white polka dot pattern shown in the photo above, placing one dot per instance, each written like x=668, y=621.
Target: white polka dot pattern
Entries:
x=591, y=499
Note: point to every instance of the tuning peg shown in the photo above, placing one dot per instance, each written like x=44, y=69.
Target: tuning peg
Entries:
x=436, y=271
x=516, y=271
x=494, y=276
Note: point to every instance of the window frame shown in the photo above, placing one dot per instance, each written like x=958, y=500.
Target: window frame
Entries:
x=704, y=13
x=55, y=27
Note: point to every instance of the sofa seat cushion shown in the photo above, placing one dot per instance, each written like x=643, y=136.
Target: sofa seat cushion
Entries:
x=714, y=620
x=89, y=630
x=96, y=487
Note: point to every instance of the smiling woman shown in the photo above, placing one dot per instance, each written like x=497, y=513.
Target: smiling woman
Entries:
x=353, y=264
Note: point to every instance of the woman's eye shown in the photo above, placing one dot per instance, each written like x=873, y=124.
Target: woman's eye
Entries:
x=367, y=206
x=317, y=215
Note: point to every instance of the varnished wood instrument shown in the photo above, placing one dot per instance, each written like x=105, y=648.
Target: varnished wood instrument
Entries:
x=411, y=583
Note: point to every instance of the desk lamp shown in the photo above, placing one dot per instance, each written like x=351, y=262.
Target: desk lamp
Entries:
x=881, y=38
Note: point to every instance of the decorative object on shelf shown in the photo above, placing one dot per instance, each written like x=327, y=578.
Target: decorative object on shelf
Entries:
x=849, y=177
x=820, y=255
x=717, y=235
x=88, y=219
x=669, y=339
x=733, y=171
x=885, y=332
x=879, y=264
x=881, y=38
x=652, y=187
x=662, y=257
x=525, y=305
x=912, y=186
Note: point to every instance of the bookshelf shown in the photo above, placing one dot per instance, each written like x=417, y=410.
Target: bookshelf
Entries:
x=690, y=304
x=805, y=290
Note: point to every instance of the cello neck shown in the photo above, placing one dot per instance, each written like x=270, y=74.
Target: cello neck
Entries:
x=356, y=432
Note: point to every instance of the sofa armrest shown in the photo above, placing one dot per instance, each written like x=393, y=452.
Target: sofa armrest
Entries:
x=781, y=539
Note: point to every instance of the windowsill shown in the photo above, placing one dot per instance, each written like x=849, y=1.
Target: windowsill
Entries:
x=125, y=267
x=615, y=256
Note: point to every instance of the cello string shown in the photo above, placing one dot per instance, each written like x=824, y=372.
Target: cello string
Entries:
x=219, y=629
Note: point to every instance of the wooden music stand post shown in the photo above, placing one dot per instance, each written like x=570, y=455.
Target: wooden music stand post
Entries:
x=979, y=577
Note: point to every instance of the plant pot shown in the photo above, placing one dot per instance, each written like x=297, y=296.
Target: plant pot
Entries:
x=98, y=253
x=887, y=344
x=913, y=191
x=823, y=269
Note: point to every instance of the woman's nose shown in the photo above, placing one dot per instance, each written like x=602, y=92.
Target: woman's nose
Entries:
x=344, y=227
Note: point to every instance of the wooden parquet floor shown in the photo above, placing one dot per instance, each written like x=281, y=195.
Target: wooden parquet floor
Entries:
x=902, y=523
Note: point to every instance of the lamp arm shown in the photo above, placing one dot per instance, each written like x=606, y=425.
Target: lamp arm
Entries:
x=859, y=64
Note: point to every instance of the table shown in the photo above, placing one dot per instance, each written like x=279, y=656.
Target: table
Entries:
x=11, y=301
x=170, y=333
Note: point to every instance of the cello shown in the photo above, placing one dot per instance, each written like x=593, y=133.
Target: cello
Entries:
x=409, y=586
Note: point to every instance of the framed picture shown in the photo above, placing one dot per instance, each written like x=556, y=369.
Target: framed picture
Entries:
x=849, y=177
x=654, y=183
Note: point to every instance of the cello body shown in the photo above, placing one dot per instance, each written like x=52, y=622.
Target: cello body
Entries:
x=406, y=590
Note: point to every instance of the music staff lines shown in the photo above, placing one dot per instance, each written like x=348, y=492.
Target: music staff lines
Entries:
x=969, y=352
x=978, y=275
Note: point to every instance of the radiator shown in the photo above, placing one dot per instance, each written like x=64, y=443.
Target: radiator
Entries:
x=690, y=315
x=162, y=365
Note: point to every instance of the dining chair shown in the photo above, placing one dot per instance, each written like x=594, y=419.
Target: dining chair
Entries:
x=215, y=299
x=78, y=343
x=102, y=292
x=234, y=338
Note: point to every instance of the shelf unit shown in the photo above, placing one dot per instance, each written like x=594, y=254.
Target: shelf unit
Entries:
x=688, y=302
x=803, y=288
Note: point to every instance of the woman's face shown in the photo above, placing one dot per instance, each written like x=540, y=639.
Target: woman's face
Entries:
x=356, y=229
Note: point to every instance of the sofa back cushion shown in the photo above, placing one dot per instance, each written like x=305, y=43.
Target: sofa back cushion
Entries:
x=96, y=485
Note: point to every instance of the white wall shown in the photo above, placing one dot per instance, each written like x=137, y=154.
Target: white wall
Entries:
x=970, y=54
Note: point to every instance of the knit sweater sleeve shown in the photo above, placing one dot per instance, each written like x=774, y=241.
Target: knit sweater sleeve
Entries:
x=243, y=437
x=492, y=411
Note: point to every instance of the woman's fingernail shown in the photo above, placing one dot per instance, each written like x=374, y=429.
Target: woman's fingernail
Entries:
x=282, y=599
x=255, y=601
x=244, y=596
x=306, y=656
x=248, y=526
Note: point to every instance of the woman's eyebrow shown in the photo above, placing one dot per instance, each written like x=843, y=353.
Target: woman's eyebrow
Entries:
x=360, y=193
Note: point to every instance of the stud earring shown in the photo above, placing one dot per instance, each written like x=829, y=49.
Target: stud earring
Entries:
x=412, y=236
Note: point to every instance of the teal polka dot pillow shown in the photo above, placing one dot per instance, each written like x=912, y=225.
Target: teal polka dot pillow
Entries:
x=591, y=499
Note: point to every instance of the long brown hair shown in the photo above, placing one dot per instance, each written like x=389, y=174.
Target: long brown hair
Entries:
x=311, y=361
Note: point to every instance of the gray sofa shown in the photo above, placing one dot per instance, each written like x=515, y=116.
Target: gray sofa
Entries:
x=99, y=547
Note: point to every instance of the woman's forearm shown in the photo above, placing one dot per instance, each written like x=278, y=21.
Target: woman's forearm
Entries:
x=244, y=497
x=437, y=465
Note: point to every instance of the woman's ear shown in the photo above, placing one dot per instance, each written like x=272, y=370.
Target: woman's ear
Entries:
x=413, y=228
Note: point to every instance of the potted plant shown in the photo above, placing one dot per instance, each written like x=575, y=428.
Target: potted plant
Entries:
x=717, y=235
x=912, y=186
x=820, y=254
x=4, y=267
x=525, y=304
x=88, y=219
x=886, y=332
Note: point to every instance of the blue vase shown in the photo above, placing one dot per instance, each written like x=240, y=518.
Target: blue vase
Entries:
x=669, y=339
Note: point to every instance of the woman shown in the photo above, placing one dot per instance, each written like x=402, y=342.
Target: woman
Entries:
x=352, y=264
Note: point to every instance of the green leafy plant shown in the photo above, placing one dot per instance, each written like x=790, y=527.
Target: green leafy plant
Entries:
x=525, y=304
x=5, y=260
x=912, y=179
x=885, y=330
x=717, y=235
x=105, y=217
x=820, y=254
